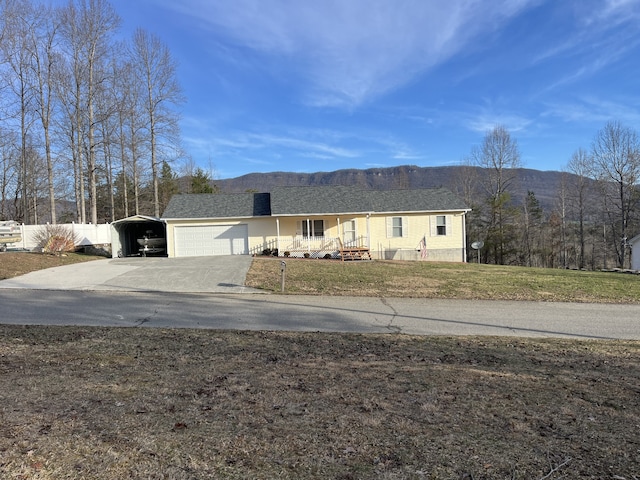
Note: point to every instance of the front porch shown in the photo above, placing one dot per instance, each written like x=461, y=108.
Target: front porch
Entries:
x=300, y=246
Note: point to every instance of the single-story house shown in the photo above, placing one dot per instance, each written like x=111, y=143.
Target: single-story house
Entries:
x=318, y=221
x=635, y=253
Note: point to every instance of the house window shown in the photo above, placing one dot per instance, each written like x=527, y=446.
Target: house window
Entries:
x=349, y=232
x=441, y=224
x=316, y=226
x=397, y=227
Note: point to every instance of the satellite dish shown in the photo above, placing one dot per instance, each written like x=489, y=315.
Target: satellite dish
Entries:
x=477, y=245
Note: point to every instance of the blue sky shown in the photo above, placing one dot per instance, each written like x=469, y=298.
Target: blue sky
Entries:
x=322, y=85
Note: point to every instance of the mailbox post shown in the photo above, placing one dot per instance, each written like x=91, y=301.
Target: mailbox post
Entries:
x=283, y=268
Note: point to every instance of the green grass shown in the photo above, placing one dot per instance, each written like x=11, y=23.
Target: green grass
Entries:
x=443, y=280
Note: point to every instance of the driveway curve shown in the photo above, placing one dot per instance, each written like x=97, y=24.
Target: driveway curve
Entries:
x=215, y=274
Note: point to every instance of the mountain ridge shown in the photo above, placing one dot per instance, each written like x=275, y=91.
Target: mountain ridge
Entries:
x=544, y=184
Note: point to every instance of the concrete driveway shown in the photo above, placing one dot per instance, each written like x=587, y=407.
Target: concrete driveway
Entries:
x=219, y=274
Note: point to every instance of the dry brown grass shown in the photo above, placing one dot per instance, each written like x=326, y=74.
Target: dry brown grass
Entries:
x=443, y=280
x=94, y=403
x=13, y=264
x=97, y=403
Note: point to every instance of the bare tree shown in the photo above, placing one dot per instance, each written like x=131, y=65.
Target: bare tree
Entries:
x=581, y=166
x=498, y=155
x=15, y=49
x=87, y=28
x=101, y=111
x=9, y=168
x=68, y=86
x=157, y=73
x=123, y=85
x=42, y=49
x=466, y=182
x=532, y=218
x=616, y=159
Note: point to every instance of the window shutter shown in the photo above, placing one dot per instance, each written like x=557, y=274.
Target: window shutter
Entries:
x=433, y=224
x=405, y=226
x=389, y=227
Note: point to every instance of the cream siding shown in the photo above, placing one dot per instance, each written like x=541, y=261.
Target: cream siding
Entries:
x=333, y=225
x=448, y=247
x=371, y=230
x=635, y=252
x=261, y=231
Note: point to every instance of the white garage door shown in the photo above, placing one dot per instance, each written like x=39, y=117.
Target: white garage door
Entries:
x=211, y=240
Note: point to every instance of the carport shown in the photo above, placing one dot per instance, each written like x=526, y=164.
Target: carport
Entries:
x=138, y=235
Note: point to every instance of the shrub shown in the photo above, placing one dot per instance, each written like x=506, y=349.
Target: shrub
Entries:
x=56, y=239
x=266, y=252
x=274, y=252
x=287, y=253
x=327, y=256
x=307, y=254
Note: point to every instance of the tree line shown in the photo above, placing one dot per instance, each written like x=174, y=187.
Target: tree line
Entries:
x=88, y=120
x=89, y=133
x=596, y=211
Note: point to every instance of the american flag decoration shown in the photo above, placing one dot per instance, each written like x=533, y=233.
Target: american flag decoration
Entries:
x=423, y=248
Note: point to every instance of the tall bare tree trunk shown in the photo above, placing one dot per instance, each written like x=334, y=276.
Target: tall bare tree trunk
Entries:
x=157, y=71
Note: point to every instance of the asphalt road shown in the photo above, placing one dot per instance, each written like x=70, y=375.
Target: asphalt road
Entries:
x=313, y=313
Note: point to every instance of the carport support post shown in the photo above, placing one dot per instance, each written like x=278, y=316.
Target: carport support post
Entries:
x=283, y=268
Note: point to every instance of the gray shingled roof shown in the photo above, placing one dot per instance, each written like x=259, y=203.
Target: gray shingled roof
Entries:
x=218, y=205
x=316, y=200
x=340, y=199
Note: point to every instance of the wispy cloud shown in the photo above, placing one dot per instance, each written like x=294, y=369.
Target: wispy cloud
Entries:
x=349, y=52
x=266, y=144
x=484, y=119
x=610, y=12
x=595, y=36
x=596, y=110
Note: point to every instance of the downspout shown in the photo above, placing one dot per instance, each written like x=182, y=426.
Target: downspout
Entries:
x=464, y=237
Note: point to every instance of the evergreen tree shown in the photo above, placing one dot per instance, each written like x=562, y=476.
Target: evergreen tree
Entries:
x=168, y=185
x=201, y=182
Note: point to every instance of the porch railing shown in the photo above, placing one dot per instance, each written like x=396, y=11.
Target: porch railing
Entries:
x=316, y=247
x=313, y=247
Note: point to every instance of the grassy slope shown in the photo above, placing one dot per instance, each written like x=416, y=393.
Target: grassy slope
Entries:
x=443, y=280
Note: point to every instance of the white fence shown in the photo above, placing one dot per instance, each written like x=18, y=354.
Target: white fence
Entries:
x=87, y=234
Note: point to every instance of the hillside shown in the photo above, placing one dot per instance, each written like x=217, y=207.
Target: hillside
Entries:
x=543, y=183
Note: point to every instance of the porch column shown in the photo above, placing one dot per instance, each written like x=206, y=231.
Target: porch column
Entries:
x=308, y=235
x=369, y=230
x=339, y=232
x=278, y=235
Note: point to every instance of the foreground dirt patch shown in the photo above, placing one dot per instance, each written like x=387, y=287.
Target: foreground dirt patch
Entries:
x=80, y=403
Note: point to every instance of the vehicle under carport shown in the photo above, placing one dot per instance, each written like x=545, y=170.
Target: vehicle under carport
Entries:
x=137, y=236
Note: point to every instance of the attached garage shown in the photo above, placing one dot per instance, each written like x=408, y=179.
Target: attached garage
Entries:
x=207, y=240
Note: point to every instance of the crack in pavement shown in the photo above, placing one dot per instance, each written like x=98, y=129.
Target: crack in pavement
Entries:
x=146, y=319
x=390, y=326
